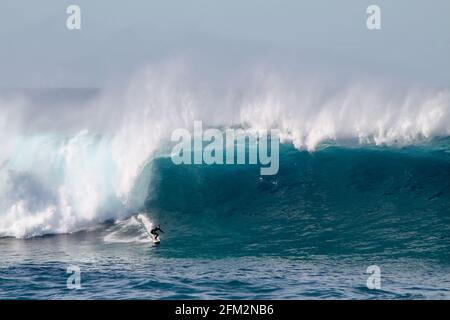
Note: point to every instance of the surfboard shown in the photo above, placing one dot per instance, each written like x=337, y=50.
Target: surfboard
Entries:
x=155, y=241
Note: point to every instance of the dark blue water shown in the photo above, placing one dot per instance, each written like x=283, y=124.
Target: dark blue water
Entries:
x=309, y=232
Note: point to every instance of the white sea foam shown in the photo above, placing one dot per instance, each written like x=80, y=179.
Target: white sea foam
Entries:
x=135, y=229
x=56, y=180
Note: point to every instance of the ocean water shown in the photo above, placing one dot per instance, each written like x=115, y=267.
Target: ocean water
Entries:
x=363, y=181
x=309, y=232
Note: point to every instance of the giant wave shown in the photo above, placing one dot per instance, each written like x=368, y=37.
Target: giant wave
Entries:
x=69, y=166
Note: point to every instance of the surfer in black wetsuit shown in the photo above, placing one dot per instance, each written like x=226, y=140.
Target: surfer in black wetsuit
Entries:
x=154, y=232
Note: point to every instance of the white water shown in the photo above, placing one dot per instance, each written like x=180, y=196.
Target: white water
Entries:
x=77, y=167
x=135, y=229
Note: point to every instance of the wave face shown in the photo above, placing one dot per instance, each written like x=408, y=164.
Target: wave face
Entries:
x=333, y=201
x=69, y=165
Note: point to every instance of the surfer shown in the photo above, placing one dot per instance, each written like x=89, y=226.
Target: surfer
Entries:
x=154, y=232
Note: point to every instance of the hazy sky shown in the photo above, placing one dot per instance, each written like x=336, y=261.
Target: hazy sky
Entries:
x=119, y=37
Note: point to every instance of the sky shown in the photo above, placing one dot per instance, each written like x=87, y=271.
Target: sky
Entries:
x=120, y=37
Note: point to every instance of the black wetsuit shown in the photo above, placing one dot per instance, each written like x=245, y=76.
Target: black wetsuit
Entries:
x=154, y=232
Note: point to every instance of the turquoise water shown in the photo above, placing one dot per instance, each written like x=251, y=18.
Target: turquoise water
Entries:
x=309, y=232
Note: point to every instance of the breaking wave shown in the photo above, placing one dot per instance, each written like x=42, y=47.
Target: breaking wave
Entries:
x=69, y=165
